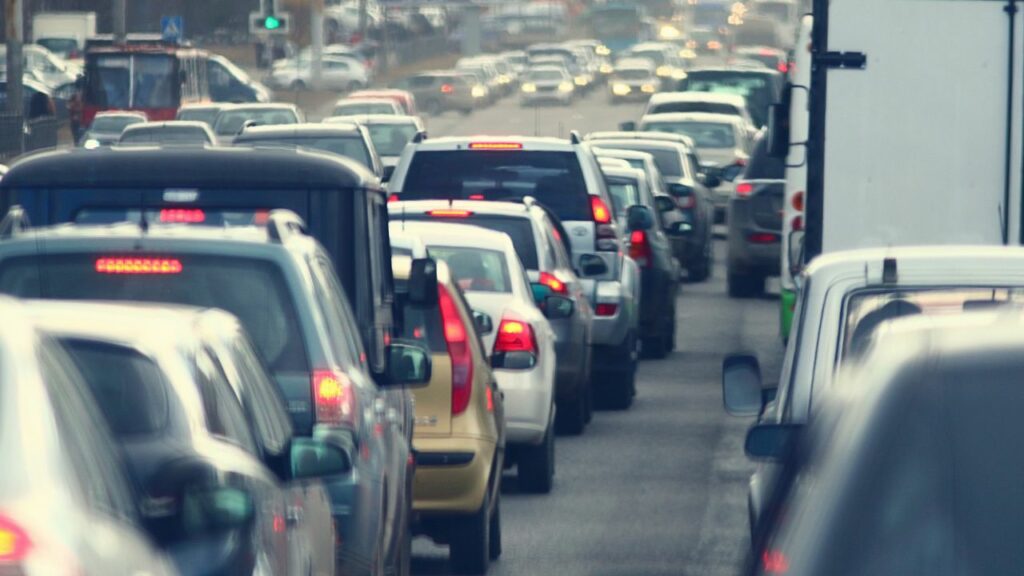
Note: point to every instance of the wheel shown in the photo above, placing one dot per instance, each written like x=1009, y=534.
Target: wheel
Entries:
x=537, y=466
x=590, y=401
x=466, y=111
x=744, y=285
x=700, y=270
x=619, y=387
x=470, y=549
x=432, y=107
x=297, y=85
x=571, y=416
x=494, y=545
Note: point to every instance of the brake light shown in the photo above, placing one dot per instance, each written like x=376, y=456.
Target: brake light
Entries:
x=261, y=217
x=447, y=89
x=640, y=248
x=182, y=215
x=456, y=336
x=14, y=542
x=783, y=67
x=495, y=146
x=774, y=562
x=334, y=398
x=763, y=238
x=797, y=224
x=393, y=198
x=515, y=336
x=138, y=266
x=600, y=210
x=552, y=282
x=476, y=196
x=741, y=161
x=798, y=201
x=744, y=189
x=606, y=309
x=447, y=213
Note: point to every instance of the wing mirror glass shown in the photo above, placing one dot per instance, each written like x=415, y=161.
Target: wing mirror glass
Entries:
x=664, y=204
x=741, y=385
x=423, y=282
x=317, y=458
x=680, y=229
x=214, y=509
x=772, y=442
x=409, y=364
x=712, y=177
x=388, y=172
x=557, y=307
x=731, y=172
x=483, y=322
x=639, y=218
x=628, y=126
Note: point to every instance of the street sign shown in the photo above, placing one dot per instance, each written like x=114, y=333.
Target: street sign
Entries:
x=172, y=28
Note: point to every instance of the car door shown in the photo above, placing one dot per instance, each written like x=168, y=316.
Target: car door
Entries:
x=582, y=318
x=336, y=74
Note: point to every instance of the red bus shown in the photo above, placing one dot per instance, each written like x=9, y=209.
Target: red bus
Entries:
x=156, y=79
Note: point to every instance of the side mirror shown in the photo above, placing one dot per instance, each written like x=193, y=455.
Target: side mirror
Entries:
x=206, y=509
x=592, y=265
x=409, y=363
x=741, y=385
x=778, y=125
x=484, y=324
x=540, y=292
x=664, y=204
x=388, y=172
x=628, y=126
x=639, y=217
x=423, y=282
x=773, y=442
x=712, y=177
x=731, y=172
x=317, y=458
x=557, y=307
x=796, y=251
x=680, y=229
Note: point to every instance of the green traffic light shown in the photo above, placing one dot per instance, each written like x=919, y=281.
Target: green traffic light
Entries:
x=271, y=23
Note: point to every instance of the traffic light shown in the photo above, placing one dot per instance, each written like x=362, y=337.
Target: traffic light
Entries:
x=272, y=23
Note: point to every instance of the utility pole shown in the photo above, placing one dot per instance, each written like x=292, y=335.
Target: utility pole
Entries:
x=316, y=37
x=362, y=20
x=14, y=33
x=120, y=25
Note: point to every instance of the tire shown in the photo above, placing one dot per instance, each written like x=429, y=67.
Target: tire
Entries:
x=297, y=86
x=494, y=544
x=700, y=270
x=466, y=111
x=537, y=465
x=618, y=388
x=470, y=548
x=745, y=285
x=571, y=417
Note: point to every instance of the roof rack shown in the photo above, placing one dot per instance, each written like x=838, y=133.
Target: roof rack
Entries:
x=574, y=136
x=14, y=223
x=529, y=201
x=281, y=223
x=419, y=137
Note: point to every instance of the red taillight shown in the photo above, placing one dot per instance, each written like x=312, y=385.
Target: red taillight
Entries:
x=457, y=338
x=763, y=238
x=138, y=266
x=450, y=213
x=774, y=562
x=783, y=67
x=606, y=309
x=515, y=335
x=556, y=285
x=476, y=196
x=182, y=215
x=495, y=146
x=797, y=224
x=393, y=198
x=334, y=398
x=602, y=215
x=744, y=189
x=741, y=161
x=447, y=89
x=14, y=542
x=640, y=248
x=261, y=217
x=798, y=201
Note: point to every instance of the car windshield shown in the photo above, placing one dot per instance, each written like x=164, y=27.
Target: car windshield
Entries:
x=348, y=146
x=207, y=115
x=655, y=56
x=114, y=124
x=168, y=135
x=520, y=230
x=544, y=76
x=357, y=108
x=390, y=139
x=757, y=88
x=128, y=387
x=704, y=134
x=668, y=160
x=229, y=122
x=124, y=81
x=554, y=178
x=62, y=46
x=475, y=270
x=253, y=290
x=633, y=74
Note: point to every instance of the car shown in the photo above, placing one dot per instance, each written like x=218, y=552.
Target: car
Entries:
x=911, y=437
x=634, y=207
x=704, y=41
x=439, y=91
x=488, y=75
x=350, y=106
x=170, y=133
x=755, y=223
x=634, y=79
x=106, y=128
x=515, y=331
x=706, y=102
x=39, y=100
x=684, y=181
x=546, y=84
x=459, y=438
x=205, y=113
x=336, y=73
x=760, y=87
x=45, y=66
x=668, y=65
x=201, y=424
x=517, y=59
x=481, y=90
x=544, y=249
x=340, y=202
x=232, y=119
x=563, y=175
x=722, y=141
x=66, y=495
x=773, y=58
x=229, y=83
x=506, y=78
x=280, y=283
x=404, y=98
x=843, y=296
x=389, y=134
x=348, y=140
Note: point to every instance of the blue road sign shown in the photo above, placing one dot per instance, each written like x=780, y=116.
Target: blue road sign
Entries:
x=172, y=28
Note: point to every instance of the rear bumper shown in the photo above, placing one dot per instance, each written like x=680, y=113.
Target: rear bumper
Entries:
x=355, y=507
x=745, y=256
x=528, y=402
x=613, y=329
x=447, y=484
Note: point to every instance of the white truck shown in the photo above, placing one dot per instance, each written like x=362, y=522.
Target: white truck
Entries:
x=64, y=33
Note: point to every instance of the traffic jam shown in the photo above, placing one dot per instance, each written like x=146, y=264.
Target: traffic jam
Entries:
x=586, y=292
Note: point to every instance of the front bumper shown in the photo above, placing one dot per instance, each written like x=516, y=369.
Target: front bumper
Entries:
x=456, y=487
x=527, y=400
x=528, y=98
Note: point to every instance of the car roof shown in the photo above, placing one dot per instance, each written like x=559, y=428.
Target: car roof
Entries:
x=365, y=100
x=213, y=106
x=373, y=119
x=634, y=63
x=260, y=106
x=707, y=117
x=397, y=209
x=156, y=126
x=298, y=130
x=190, y=168
x=930, y=265
x=596, y=138
x=529, y=142
x=625, y=172
x=664, y=97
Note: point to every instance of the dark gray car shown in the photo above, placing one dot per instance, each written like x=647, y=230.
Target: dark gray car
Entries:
x=755, y=223
x=344, y=139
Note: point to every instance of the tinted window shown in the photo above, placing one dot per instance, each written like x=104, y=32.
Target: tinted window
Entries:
x=544, y=76
x=229, y=122
x=555, y=179
x=169, y=135
x=128, y=387
x=114, y=123
x=123, y=81
x=656, y=56
x=667, y=160
x=223, y=411
x=355, y=108
x=518, y=229
x=709, y=107
x=208, y=116
x=348, y=146
x=704, y=134
x=476, y=270
x=252, y=290
x=390, y=139
x=635, y=74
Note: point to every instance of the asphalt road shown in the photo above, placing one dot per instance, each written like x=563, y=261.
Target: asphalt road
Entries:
x=656, y=490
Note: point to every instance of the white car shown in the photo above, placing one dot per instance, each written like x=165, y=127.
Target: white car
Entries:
x=708, y=102
x=336, y=73
x=546, y=84
x=511, y=327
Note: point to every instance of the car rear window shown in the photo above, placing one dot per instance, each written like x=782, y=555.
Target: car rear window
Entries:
x=704, y=134
x=624, y=194
x=668, y=160
x=348, y=146
x=128, y=387
x=197, y=216
x=475, y=269
x=709, y=107
x=554, y=178
x=358, y=108
x=253, y=290
x=208, y=116
x=520, y=230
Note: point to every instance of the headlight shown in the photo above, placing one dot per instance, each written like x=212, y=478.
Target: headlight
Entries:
x=91, y=143
x=503, y=79
x=621, y=89
x=647, y=88
x=664, y=71
x=607, y=69
x=669, y=32
x=529, y=87
x=678, y=75
x=565, y=87
x=478, y=91
x=691, y=44
x=687, y=53
x=714, y=45
x=602, y=50
x=580, y=80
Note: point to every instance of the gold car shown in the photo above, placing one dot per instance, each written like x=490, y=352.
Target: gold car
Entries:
x=459, y=435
